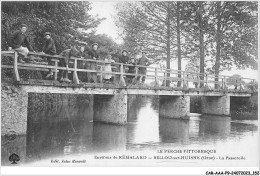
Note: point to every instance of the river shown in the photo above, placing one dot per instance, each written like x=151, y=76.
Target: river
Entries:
x=65, y=131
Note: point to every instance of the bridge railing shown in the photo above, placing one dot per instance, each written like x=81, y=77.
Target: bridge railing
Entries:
x=159, y=76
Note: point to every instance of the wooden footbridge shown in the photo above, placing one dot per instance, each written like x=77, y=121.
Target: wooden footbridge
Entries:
x=159, y=75
x=110, y=100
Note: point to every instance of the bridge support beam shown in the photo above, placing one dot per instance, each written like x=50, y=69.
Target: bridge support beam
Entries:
x=174, y=106
x=216, y=105
x=111, y=108
x=14, y=103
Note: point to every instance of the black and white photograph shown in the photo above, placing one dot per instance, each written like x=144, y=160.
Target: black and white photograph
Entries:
x=152, y=84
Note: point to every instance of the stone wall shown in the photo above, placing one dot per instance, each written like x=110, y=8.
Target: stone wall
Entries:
x=174, y=106
x=216, y=105
x=111, y=108
x=20, y=108
x=56, y=107
x=14, y=101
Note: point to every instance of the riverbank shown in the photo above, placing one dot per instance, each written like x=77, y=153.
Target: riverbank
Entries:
x=244, y=109
x=240, y=108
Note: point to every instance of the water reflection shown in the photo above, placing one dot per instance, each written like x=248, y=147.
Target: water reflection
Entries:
x=145, y=126
x=107, y=137
x=174, y=131
x=46, y=140
x=214, y=127
x=67, y=128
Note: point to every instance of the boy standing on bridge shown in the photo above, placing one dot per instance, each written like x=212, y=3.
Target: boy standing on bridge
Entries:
x=48, y=48
x=18, y=40
x=143, y=61
x=63, y=74
x=131, y=69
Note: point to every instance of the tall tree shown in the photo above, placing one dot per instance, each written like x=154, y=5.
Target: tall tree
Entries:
x=178, y=31
x=153, y=26
x=196, y=31
x=234, y=28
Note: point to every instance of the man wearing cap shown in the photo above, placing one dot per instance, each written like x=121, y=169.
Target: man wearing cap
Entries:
x=143, y=61
x=19, y=42
x=92, y=76
x=83, y=53
x=73, y=51
x=49, y=45
x=124, y=58
x=49, y=48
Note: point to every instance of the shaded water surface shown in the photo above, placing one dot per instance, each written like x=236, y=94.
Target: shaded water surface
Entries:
x=63, y=125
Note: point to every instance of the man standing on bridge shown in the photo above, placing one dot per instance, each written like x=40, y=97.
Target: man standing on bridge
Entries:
x=63, y=74
x=49, y=48
x=143, y=61
x=131, y=69
x=124, y=58
x=18, y=40
x=92, y=76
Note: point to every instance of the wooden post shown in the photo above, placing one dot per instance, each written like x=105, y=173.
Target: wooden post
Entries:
x=240, y=84
x=56, y=70
x=225, y=84
x=254, y=86
x=75, y=75
x=164, y=79
x=122, y=80
x=16, y=73
x=136, y=72
x=156, y=77
x=184, y=80
x=207, y=85
x=101, y=75
x=198, y=78
x=222, y=83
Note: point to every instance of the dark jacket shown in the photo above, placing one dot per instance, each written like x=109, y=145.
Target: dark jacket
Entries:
x=123, y=59
x=49, y=47
x=131, y=69
x=93, y=54
x=70, y=52
x=143, y=61
x=17, y=39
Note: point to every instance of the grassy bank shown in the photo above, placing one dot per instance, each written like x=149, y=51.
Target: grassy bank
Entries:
x=244, y=108
x=240, y=108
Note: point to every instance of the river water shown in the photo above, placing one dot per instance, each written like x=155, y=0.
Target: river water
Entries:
x=62, y=131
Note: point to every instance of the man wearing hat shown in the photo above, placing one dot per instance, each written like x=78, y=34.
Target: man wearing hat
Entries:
x=73, y=51
x=92, y=76
x=19, y=42
x=124, y=58
x=49, y=45
x=143, y=61
x=83, y=53
x=49, y=48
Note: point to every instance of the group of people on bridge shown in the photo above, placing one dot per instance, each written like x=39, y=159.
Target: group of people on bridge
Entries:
x=19, y=42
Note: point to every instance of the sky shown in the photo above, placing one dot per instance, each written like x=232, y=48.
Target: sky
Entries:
x=107, y=9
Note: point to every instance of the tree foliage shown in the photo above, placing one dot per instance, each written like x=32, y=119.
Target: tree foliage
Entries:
x=66, y=20
x=221, y=34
